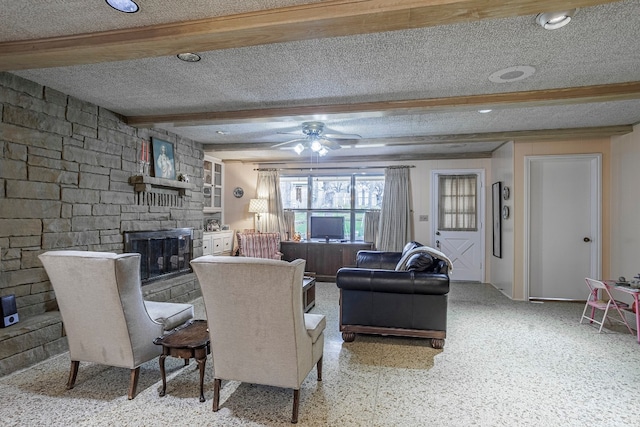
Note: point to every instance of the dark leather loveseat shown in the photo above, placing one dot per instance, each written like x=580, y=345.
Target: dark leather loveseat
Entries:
x=375, y=298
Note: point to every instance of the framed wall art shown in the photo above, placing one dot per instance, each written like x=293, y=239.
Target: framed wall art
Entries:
x=496, y=214
x=164, y=165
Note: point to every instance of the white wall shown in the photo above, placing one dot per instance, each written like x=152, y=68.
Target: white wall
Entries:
x=501, y=269
x=625, y=204
x=240, y=174
x=236, y=210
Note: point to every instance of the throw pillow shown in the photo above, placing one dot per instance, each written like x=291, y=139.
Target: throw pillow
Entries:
x=402, y=264
x=419, y=262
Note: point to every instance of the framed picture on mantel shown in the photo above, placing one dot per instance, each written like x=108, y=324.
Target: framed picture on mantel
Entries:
x=164, y=165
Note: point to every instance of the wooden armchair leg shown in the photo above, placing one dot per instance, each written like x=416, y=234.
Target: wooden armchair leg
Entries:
x=319, y=368
x=133, y=382
x=73, y=373
x=296, y=405
x=216, y=394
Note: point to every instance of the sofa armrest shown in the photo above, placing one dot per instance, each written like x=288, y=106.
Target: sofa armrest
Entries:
x=378, y=259
x=391, y=281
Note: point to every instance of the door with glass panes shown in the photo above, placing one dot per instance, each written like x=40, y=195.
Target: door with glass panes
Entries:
x=458, y=221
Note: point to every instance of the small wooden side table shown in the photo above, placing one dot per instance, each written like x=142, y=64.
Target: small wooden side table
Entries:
x=308, y=293
x=188, y=341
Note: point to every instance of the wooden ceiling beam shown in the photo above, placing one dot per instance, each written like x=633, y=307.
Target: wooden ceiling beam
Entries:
x=534, y=98
x=302, y=22
x=525, y=135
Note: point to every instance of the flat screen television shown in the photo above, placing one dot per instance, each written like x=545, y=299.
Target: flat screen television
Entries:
x=327, y=227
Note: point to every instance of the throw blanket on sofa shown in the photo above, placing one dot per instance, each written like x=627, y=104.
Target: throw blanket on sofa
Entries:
x=402, y=264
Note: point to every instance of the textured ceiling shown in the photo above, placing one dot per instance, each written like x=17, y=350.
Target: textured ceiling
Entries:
x=434, y=62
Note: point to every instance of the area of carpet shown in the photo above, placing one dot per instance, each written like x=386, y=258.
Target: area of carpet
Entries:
x=504, y=363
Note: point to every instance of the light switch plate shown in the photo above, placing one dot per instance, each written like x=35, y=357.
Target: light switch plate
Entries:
x=423, y=218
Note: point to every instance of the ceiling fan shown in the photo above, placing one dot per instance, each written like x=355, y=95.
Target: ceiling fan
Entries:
x=316, y=140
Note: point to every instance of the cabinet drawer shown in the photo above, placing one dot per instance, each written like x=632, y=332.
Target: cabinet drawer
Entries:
x=218, y=246
x=227, y=243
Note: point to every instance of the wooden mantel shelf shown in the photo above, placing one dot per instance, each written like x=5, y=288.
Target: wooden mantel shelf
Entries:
x=147, y=183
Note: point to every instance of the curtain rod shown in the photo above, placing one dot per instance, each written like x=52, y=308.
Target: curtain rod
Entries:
x=310, y=168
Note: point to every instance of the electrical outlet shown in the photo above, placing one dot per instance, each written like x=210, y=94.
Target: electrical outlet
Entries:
x=423, y=218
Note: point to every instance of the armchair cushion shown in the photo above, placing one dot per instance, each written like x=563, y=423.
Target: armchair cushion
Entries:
x=315, y=325
x=169, y=314
x=259, y=245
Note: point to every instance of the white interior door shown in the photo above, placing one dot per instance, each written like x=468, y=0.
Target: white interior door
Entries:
x=563, y=225
x=463, y=243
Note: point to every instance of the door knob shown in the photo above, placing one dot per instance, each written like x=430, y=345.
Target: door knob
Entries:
x=437, y=233
x=586, y=239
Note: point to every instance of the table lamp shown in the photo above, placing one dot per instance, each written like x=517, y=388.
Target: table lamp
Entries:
x=258, y=206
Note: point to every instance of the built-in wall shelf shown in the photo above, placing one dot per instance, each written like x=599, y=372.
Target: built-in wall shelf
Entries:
x=148, y=183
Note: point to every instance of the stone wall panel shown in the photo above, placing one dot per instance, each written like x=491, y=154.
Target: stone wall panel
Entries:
x=35, y=120
x=57, y=225
x=87, y=223
x=74, y=195
x=52, y=175
x=80, y=155
x=70, y=240
x=23, y=208
x=94, y=181
x=64, y=182
x=12, y=169
x=32, y=190
x=20, y=227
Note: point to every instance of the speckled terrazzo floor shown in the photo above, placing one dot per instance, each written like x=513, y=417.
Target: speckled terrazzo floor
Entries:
x=504, y=363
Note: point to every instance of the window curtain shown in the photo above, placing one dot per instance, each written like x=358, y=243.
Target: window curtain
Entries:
x=371, y=221
x=290, y=221
x=457, y=205
x=268, y=187
x=395, y=215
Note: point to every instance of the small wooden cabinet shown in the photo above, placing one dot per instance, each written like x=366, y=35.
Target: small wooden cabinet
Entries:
x=217, y=242
x=322, y=258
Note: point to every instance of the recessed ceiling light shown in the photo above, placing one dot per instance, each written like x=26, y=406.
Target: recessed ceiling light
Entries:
x=555, y=20
x=512, y=74
x=189, y=57
x=484, y=111
x=126, y=6
x=221, y=132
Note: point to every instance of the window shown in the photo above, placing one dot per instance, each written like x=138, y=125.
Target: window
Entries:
x=457, y=207
x=348, y=195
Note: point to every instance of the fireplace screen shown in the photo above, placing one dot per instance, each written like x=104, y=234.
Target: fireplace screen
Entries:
x=163, y=253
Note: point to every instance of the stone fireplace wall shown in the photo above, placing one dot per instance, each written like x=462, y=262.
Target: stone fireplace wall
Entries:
x=64, y=184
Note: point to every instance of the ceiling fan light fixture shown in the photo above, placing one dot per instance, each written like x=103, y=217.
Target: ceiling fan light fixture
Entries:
x=298, y=149
x=323, y=151
x=555, y=20
x=316, y=146
x=126, y=6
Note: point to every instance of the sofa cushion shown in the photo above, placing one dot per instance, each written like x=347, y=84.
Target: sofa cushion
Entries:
x=402, y=264
x=419, y=262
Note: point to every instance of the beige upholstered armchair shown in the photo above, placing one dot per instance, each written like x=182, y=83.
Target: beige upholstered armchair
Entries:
x=259, y=245
x=259, y=332
x=104, y=316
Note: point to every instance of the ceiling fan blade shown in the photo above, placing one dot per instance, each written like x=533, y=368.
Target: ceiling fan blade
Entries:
x=289, y=142
x=289, y=133
x=342, y=135
x=331, y=144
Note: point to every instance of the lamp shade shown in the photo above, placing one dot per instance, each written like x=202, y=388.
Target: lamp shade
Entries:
x=258, y=206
